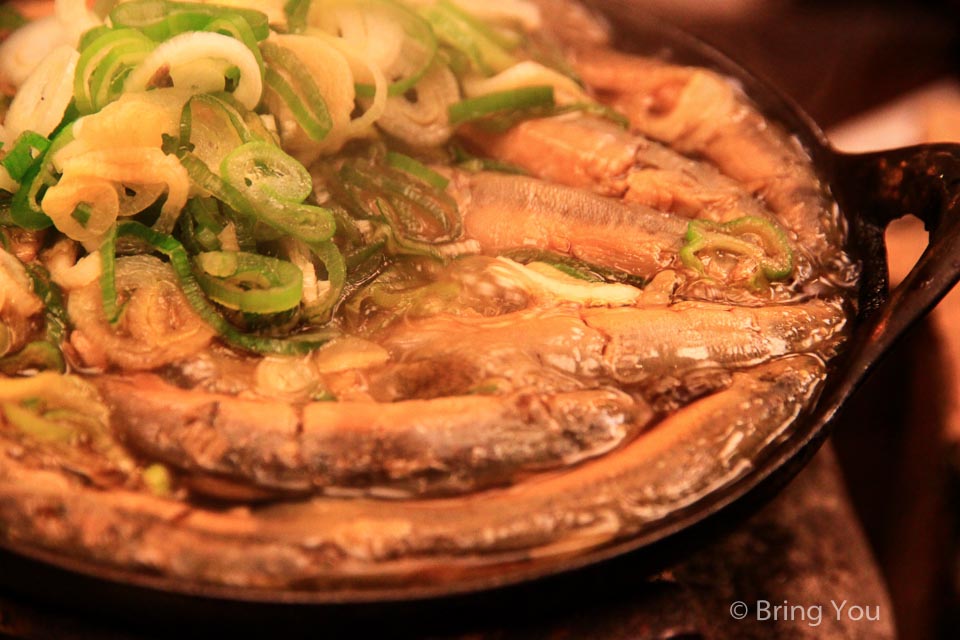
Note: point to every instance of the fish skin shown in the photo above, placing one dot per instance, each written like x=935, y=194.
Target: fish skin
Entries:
x=414, y=447
x=587, y=152
x=505, y=212
x=699, y=112
x=327, y=542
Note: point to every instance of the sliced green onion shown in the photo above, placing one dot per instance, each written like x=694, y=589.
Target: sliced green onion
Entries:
x=249, y=282
x=32, y=424
x=276, y=185
x=92, y=34
x=82, y=214
x=26, y=151
x=25, y=207
x=334, y=263
x=42, y=354
x=158, y=480
x=55, y=313
x=414, y=210
x=108, y=278
x=212, y=127
x=500, y=102
x=597, y=109
x=417, y=170
x=245, y=213
x=462, y=32
x=419, y=46
x=296, y=12
x=181, y=263
x=752, y=237
x=235, y=26
x=210, y=182
x=466, y=160
x=161, y=19
x=201, y=225
x=39, y=355
x=287, y=76
x=264, y=166
x=104, y=64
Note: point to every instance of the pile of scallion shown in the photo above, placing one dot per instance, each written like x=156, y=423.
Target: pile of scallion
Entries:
x=185, y=130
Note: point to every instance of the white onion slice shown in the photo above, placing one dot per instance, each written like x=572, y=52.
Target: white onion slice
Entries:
x=527, y=74
x=78, y=275
x=42, y=100
x=293, y=379
x=7, y=183
x=547, y=282
x=366, y=71
x=96, y=178
x=134, y=120
x=16, y=290
x=186, y=57
x=62, y=199
x=75, y=18
x=424, y=123
x=369, y=32
x=331, y=72
x=23, y=50
x=158, y=325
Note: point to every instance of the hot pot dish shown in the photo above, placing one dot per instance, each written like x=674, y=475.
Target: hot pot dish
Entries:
x=324, y=295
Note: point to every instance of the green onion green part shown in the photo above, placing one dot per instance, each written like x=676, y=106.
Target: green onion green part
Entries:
x=108, y=276
x=249, y=282
x=416, y=169
x=755, y=238
x=182, y=267
x=500, y=102
x=25, y=207
x=463, y=33
x=26, y=152
x=161, y=19
x=286, y=75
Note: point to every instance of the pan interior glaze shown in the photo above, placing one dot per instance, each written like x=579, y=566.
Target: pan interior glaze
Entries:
x=668, y=480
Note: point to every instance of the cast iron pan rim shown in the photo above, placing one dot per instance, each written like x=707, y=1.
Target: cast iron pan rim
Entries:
x=776, y=465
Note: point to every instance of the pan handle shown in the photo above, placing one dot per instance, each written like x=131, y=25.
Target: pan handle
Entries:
x=875, y=189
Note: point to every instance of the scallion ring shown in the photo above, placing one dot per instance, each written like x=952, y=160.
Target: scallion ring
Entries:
x=27, y=151
x=249, y=282
x=181, y=263
x=755, y=238
x=288, y=77
x=276, y=185
x=161, y=19
x=104, y=64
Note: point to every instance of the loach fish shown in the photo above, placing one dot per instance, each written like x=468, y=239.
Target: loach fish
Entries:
x=408, y=448
x=327, y=539
x=591, y=153
x=554, y=406
x=698, y=112
x=626, y=344
x=504, y=212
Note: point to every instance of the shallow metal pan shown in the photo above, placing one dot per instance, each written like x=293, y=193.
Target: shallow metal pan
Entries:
x=871, y=189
